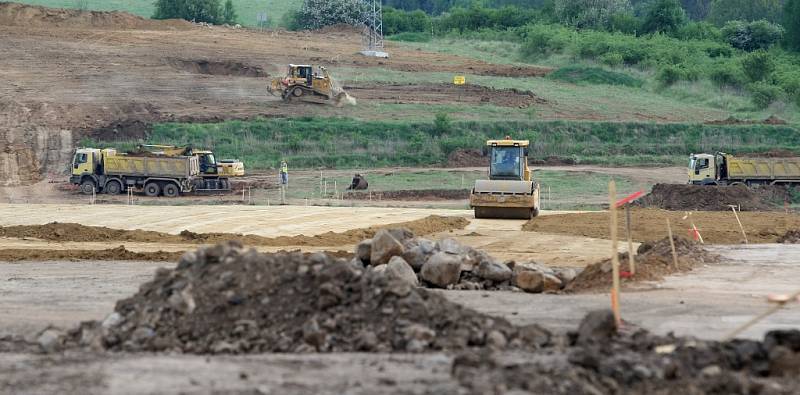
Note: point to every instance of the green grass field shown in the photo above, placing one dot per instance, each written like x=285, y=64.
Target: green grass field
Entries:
x=246, y=9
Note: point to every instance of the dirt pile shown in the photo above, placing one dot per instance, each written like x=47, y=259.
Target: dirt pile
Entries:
x=76, y=232
x=210, y=67
x=653, y=262
x=225, y=299
x=113, y=254
x=412, y=194
x=790, y=237
x=597, y=359
x=703, y=197
x=467, y=158
x=15, y=14
x=438, y=93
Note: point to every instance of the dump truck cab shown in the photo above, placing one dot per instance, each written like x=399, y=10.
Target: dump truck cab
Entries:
x=703, y=169
x=510, y=191
x=87, y=166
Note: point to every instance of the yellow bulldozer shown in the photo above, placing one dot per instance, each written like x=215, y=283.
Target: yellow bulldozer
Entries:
x=303, y=83
x=510, y=191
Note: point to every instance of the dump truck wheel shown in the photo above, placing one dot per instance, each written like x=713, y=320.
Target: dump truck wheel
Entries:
x=152, y=189
x=87, y=187
x=171, y=190
x=113, y=188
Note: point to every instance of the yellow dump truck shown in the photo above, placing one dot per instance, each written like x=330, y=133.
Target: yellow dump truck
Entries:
x=510, y=191
x=105, y=171
x=725, y=169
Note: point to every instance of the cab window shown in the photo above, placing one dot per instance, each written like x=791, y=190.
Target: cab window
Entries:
x=81, y=158
x=702, y=163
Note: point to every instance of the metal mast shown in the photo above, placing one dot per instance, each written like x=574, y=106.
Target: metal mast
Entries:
x=372, y=35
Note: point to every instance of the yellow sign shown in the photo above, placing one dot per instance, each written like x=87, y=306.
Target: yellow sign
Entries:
x=459, y=80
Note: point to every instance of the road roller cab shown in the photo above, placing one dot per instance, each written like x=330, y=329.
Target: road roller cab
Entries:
x=510, y=191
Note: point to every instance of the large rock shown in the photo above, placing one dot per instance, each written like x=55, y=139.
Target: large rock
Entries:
x=566, y=275
x=388, y=243
x=441, y=269
x=533, y=266
x=399, y=269
x=597, y=327
x=529, y=281
x=453, y=247
x=364, y=251
x=416, y=257
x=551, y=282
x=493, y=271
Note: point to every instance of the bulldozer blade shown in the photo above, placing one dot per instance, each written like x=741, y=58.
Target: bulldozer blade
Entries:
x=505, y=212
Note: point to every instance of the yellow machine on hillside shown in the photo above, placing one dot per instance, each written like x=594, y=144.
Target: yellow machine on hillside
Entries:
x=302, y=83
x=510, y=191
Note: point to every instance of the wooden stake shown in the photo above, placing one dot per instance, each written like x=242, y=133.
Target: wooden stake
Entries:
x=672, y=245
x=612, y=198
x=631, y=259
x=733, y=208
x=761, y=316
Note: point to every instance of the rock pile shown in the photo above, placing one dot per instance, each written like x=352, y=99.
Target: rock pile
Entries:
x=597, y=359
x=790, y=237
x=451, y=265
x=225, y=299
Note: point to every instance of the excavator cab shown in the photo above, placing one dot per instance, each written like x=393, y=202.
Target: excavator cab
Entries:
x=510, y=191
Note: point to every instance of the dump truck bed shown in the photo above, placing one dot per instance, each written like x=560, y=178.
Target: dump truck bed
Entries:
x=763, y=168
x=151, y=166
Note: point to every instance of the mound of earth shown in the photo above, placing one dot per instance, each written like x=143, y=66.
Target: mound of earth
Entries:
x=439, y=93
x=412, y=194
x=790, y=237
x=225, y=299
x=76, y=232
x=210, y=67
x=703, y=197
x=467, y=158
x=653, y=262
x=15, y=14
x=598, y=359
x=113, y=254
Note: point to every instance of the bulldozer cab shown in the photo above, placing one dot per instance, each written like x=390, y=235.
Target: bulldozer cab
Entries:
x=508, y=160
x=301, y=74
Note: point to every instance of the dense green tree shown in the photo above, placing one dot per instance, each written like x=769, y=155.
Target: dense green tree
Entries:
x=791, y=21
x=753, y=35
x=229, y=13
x=192, y=10
x=745, y=10
x=666, y=16
x=314, y=14
x=591, y=14
x=758, y=65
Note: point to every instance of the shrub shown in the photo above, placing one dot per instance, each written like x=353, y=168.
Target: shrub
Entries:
x=588, y=13
x=612, y=59
x=594, y=75
x=669, y=75
x=441, y=124
x=791, y=20
x=758, y=65
x=664, y=16
x=625, y=23
x=315, y=14
x=698, y=31
x=764, y=94
x=542, y=40
x=753, y=35
x=229, y=13
x=727, y=74
x=209, y=11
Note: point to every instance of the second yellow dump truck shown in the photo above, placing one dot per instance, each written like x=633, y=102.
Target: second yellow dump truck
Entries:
x=725, y=169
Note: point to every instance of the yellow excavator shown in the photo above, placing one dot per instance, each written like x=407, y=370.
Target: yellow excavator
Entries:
x=302, y=83
x=510, y=191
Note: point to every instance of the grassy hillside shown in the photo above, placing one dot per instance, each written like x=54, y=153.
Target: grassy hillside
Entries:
x=348, y=143
x=246, y=9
